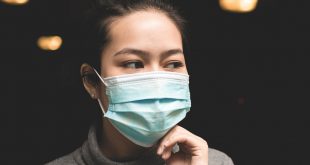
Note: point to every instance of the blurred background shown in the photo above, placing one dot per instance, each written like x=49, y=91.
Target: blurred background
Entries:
x=249, y=67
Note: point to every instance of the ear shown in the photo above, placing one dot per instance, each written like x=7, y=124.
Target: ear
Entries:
x=90, y=80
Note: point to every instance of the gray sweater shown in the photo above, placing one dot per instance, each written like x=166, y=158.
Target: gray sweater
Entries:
x=90, y=154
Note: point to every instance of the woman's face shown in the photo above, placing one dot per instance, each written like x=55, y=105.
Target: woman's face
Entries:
x=143, y=41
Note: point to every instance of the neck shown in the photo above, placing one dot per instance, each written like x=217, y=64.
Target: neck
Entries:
x=116, y=147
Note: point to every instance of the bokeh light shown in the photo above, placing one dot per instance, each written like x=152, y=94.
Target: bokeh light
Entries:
x=239, y=6
x=15, y=2
x=50, y=43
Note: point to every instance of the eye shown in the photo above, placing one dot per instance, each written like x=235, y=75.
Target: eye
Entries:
x=174, y=64
x=133, y=64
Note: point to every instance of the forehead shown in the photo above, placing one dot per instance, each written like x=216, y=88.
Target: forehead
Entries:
x=145, y=27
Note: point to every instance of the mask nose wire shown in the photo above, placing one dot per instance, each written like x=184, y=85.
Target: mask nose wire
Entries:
x=100, y=104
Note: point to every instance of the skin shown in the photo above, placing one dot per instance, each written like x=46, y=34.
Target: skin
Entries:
x=144, y=41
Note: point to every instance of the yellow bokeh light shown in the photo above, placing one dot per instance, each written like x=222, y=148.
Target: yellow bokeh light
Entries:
x=240, y=6
x=49, y=42
x=15, y=2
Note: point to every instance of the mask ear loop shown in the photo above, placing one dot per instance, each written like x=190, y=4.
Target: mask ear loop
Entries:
x=101, y=107
x=100, y=104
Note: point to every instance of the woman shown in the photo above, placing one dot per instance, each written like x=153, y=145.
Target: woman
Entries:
x=140, y=80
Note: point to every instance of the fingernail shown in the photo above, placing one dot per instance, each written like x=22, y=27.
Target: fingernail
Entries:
x=160, y=150
x=165, y=155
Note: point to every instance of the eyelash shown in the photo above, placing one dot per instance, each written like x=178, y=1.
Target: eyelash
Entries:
x=140, y=64
x=127, y=63
x=176, y=64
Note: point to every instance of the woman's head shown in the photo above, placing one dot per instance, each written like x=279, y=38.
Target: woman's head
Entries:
x=134, y=36
x=130, y=36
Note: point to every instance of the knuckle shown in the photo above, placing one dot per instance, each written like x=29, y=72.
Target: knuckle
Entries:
x=179, y=130
x=205, y=144
x=175, y=130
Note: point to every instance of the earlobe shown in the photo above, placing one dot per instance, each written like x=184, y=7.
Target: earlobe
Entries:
x=93, y=96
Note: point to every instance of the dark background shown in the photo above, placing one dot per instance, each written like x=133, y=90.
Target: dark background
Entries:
x=249, y=81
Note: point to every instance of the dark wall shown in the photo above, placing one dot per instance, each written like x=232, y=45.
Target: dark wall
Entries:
x=249, y=81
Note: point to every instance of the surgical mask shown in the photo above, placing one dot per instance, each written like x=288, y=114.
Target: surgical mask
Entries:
x=143, y=107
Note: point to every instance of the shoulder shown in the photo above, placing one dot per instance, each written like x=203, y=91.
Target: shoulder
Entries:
x=69, y=159
x=217, y=157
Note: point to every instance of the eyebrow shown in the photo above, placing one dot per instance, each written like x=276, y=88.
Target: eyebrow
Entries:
x=145, y=53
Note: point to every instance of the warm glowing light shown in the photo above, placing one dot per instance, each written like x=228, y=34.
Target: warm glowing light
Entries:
x=240, y=6
x=15, y=2
x=49, y=42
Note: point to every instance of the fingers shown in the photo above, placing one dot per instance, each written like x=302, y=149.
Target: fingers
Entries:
x=172, y=141
x=193, y=149
x=179, y=135
x=169, y=151
x=165, y=147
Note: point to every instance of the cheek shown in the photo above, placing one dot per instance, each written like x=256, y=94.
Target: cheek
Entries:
x=184, y=69
x=108, y=66
x=112, y=68
x=103, y=97
x=185, y=66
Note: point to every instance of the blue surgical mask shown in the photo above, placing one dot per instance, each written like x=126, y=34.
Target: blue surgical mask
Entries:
x=143, y=107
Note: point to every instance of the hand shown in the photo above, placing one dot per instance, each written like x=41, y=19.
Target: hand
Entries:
x=193, y=149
